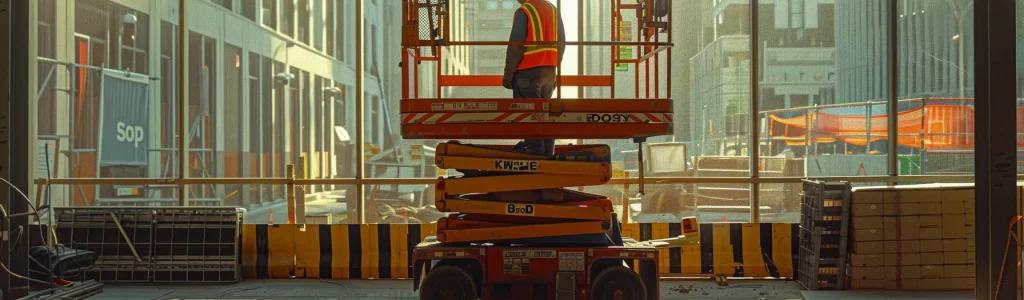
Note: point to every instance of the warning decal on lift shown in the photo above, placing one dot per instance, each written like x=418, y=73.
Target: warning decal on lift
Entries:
x=516, y=266
x=570, y=261
x=518, y=261
x=528, y=253
x=464, y=106
x=521, y=106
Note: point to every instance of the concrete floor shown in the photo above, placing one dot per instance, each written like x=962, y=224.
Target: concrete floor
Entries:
x=306, y=289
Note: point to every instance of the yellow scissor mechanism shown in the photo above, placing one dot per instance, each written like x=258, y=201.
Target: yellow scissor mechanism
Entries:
x=506, y=195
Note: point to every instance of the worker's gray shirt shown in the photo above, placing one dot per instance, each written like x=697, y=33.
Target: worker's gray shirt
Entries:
x=520, y=30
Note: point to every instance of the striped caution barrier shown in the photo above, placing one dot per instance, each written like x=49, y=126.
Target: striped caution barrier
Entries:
x=728, y=249
x=384, y=251
x=330, y=251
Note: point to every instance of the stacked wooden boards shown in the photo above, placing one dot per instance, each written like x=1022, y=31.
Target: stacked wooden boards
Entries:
x=918, y=237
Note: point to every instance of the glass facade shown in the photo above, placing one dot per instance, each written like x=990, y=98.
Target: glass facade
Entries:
x=802, y=88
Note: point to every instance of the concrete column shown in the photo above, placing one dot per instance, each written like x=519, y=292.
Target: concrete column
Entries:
x=18, y=77
x=995, y=149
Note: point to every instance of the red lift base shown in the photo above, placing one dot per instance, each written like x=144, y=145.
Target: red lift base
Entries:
x=444, y=271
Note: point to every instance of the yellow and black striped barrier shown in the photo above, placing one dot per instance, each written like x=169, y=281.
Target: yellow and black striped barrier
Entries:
x=384, y=251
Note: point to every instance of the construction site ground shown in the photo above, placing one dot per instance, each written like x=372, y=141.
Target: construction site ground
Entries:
x=308, y=289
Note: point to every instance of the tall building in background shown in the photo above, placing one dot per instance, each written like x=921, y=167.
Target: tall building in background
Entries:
x=244, y=120
x=797, y=48
x=935, y=49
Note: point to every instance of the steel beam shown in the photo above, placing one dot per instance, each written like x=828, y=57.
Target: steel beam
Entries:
x=5, y=101
x=995, y=147
x=14, y=137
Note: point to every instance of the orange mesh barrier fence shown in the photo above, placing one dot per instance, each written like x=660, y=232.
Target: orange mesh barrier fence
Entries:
x=934, y=126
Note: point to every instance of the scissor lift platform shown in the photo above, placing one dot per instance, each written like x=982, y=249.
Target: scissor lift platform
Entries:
x=535, y=118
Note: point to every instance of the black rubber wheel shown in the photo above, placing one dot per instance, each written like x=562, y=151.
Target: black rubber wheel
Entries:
x=448, y=283
x=618, y=283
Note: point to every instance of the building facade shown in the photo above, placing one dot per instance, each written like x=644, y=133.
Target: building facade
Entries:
x=797, y=57
x=270, y=83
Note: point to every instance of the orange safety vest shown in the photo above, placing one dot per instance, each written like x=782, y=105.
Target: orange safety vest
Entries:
x=542, y=18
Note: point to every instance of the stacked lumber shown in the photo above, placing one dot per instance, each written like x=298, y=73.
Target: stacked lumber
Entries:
x=912, y=238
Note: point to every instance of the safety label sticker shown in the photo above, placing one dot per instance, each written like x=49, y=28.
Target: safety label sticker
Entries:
x=529, y=254
x=521, y=106
x=464, y=106
x=570, y=261
x=516, y=266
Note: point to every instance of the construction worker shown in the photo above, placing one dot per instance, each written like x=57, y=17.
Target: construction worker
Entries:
x=530, y=69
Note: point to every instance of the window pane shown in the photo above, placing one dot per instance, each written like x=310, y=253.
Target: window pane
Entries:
x=303, y=20
x=243, y=120
x=936, y=85
x=380, y=101
x=88, y=129
x=343, y=25
x=288, y=17
x=269, y=13
x=823, y=68
x=249, y=9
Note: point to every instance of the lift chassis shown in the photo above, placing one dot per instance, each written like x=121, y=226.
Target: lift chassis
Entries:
x=515, y=272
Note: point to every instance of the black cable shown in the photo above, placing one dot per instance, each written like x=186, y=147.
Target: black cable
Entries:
x=35, y=211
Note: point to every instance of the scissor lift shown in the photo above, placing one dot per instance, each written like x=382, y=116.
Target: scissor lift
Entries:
x=516, y=231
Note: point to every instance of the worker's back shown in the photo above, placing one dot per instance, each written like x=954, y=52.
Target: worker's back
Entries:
x=543, y=24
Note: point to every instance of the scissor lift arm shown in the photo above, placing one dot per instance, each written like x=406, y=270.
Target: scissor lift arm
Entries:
x=511, y=197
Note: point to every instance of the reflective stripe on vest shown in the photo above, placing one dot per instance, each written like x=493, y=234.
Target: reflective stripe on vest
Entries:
x=542, y=20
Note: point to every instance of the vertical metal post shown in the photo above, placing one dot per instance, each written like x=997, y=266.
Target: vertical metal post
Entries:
x=579, y=49
x=893, y=104
x=558, y=75
x=289, y=192
x=615, y=25
x=867, y=118
x=360, y=136
x=182, y=107
x=995, y=153
x=755, y=145
x=300, y=193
